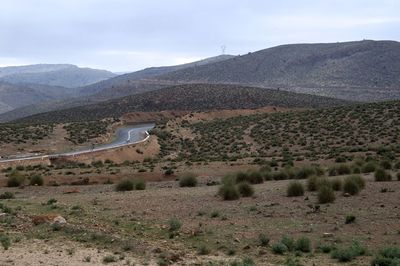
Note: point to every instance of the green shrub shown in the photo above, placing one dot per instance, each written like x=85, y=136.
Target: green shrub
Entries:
x=125, y=185
x=203, y=250
x=288, y=242
x=381, y=175
x=326, y=195
x=343, y=169
x=279, y=248
x=385, y=164
x=353, y=184
x=349, y=253
x=350, y=219
x=245, y=189
x=390, y=252
x=337, y=184
x=188, y=180
x=263, y=239
x=312, y=183
x=303, y=244
x=359, y=180
x=295, y=189
x=369, y=167
x=174, y=224
x=305, y=172
x=7, y=195
x=253, y=177
x=140, y=185
x=36, y=180
x=15, y=179
x=5, y=241
x=228, y=191
x=351, y=187
x=109, y=259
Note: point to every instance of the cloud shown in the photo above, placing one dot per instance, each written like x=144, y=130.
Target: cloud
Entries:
x=123, y=35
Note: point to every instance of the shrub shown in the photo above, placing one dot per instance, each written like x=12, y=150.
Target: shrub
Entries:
x=255, y=177
x=188, y=180
x=350, y=219
x=303, y=244
x=337, y=184
x=398, y=176
x=369, y=167
x=140, y=185
x=36, y=180
x=385, y=164
x=349, y=253
x=174, y=224
x=5, y=241
x=279, y=248
x=15, y=179
x=109, y=259
x=245, y=189
x=343, y=169
x=295, y=189
x=7, y=195
x=350, y=186
x=305, y=171
x=288, y=242
x=228, y=191
x=353, y=184
x=203, y=250
x=326, y=195
x=263, y=239
x=125, y=185
x=359, y=180
x=312, y=183
x=381, y=175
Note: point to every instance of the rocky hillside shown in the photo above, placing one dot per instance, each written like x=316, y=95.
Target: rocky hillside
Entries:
x=194, y=97
x=362, y=71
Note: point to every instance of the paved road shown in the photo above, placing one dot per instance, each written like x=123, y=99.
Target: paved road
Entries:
x=124, y=136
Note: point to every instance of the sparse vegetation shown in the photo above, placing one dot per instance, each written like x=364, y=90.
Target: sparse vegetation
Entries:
x=188, y=180
x=295, y=189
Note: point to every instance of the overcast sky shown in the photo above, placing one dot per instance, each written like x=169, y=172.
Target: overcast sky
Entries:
x=126, y=35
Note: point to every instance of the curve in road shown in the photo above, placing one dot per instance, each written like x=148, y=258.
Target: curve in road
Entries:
x=124, y=136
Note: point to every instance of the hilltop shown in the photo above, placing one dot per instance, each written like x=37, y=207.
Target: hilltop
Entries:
x=360, y=71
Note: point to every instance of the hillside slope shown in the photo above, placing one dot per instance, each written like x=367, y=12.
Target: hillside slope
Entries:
x=194, y=97
x=69, y=76
x=18, y=95
x=364, y=70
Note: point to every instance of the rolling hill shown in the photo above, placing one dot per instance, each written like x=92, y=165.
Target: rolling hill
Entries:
x=137, y=82
x=190, y=97
x=360, y=71
x=69, y=76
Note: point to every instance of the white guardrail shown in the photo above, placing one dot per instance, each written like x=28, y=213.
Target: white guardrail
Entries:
x=69, y=154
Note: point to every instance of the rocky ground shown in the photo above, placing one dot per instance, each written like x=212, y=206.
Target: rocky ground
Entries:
x=133, y=228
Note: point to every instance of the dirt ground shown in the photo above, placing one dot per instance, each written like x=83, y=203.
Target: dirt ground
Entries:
x=142, y=216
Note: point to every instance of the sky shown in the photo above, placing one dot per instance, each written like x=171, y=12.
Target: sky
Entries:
x=128, y=35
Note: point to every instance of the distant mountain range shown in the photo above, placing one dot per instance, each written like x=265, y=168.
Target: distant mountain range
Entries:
x=357, y=71
x=189, y=97
x=65, y=75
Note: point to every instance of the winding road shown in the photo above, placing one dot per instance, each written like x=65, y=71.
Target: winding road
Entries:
x=124, y=136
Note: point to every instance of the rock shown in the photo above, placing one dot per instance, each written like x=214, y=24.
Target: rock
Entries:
x=70, y=191
x=328, y=234
x=346, y=195
x=59, y=220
